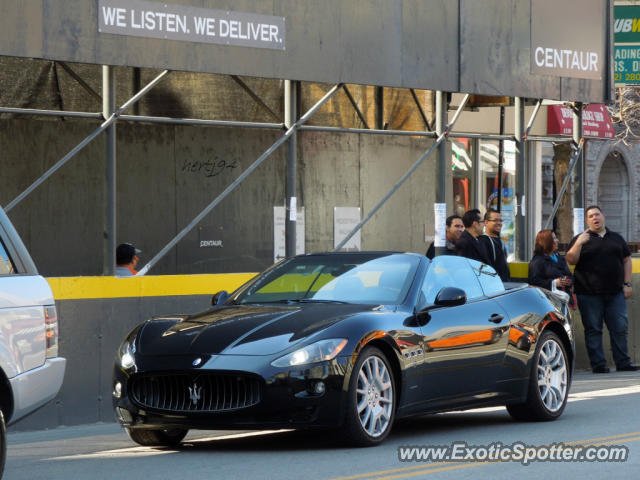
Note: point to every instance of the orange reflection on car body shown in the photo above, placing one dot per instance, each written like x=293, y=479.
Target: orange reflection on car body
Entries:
x=473, y=338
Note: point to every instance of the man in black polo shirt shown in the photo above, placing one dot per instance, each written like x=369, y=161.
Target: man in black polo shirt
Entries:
x=602, y=283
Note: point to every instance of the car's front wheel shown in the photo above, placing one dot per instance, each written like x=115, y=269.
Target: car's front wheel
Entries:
x=372, y=399
x=548, y=382
x=156, y=438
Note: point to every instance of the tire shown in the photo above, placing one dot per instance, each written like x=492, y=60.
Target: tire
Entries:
x=3, y=443
x=156, y=438
x=548, y=382
x=371, y=404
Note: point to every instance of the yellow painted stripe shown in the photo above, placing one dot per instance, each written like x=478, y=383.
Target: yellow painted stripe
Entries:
x=521, y=269
x=70, y=288
x=76, y=288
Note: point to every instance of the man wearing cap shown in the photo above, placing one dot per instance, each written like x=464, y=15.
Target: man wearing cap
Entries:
x=126, y=260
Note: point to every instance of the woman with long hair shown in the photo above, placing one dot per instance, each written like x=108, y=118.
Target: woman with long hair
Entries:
x=547, y=266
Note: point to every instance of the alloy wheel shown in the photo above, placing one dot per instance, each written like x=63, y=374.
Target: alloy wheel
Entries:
x=374, y=396
x=552, y=375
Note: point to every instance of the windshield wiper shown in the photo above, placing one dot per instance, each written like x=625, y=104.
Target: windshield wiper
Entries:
x=290, y=301
x=314, y=300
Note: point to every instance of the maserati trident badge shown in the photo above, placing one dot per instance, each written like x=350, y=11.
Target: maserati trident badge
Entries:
x=194, y=393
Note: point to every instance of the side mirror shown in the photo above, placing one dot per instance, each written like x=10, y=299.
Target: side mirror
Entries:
x=450, y=297
x=219, y=297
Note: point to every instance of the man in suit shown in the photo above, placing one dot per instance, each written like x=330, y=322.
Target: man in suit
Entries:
x=468, y=244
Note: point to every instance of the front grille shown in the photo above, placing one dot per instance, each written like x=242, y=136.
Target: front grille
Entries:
x=195, y=393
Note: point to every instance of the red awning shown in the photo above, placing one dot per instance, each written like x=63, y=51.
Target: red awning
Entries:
x=596, y=122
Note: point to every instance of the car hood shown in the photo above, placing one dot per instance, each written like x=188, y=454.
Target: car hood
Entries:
x=240, y=329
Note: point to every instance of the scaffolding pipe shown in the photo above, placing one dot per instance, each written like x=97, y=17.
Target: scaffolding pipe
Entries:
x=255, y=97
x=378, y=95
x=534, y=114
x=500, y=160
x=238, y=180
x=290, y=221
x=482, y=136
x=522, y=235
x=437, y=143
x=442, y=100
x=577, y=137
x=538, y=138
x=108, y=106
x=572, y=164
x=86, y=141
x=420, y=110
x=80, y=81
x=355, y=106
x=49, y=113
x=409, y=133
x=196, y=121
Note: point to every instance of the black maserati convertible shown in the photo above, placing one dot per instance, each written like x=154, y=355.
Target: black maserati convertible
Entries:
x=347, y=341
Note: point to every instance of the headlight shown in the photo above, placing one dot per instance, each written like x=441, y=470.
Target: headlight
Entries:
x=127, y=359
x=316, y=352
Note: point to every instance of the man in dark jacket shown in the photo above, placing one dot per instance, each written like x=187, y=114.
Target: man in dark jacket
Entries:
x=493, y=244
x=455, y=227
x=468, y=244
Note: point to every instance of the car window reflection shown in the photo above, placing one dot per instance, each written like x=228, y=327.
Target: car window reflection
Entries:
x=356, y=278
x=449, y=271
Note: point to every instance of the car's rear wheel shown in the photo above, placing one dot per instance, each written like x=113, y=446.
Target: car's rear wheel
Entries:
x=372, y=399
x=156, y=438
x=3, y=443
x=548, y=382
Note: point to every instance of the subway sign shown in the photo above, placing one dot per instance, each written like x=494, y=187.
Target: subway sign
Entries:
x=626, y=55
x=626, y=26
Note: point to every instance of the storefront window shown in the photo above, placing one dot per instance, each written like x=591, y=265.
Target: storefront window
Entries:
x=463, y=170
x=489, y=156
x=461, y=167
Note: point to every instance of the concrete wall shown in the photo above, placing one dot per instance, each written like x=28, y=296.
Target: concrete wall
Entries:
x=166, y=175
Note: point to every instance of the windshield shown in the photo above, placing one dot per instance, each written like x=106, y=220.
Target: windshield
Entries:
x=344, y=278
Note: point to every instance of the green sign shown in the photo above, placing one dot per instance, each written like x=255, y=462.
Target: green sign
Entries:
x=626, y=61
x=626, y=26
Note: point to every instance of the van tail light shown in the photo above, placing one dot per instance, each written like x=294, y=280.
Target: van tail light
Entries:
x=51, y=331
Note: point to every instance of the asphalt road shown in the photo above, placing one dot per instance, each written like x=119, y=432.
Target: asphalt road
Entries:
x=603, y=410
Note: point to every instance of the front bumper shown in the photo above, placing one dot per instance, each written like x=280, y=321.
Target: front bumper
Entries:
x=288, y=398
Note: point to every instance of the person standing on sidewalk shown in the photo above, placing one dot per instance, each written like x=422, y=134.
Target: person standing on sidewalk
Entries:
x=126, y=260
x=454, y=229
x=602, y=285
x=493, y=244
x=468, y=244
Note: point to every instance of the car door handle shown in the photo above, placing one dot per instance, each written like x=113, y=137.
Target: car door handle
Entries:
x=496, y=318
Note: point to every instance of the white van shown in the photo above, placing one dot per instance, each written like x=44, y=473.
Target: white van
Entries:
x=31, y=371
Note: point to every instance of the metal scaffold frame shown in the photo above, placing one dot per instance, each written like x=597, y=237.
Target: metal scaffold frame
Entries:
x=291, y=125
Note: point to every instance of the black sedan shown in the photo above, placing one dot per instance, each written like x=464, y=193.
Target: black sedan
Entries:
x=348, y=341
